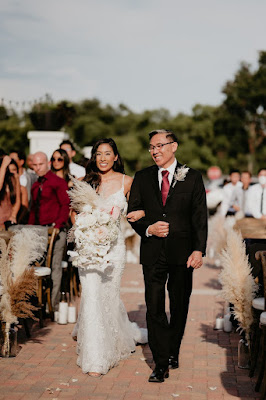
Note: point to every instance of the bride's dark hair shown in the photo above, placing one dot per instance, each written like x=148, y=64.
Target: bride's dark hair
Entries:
x=93, y=176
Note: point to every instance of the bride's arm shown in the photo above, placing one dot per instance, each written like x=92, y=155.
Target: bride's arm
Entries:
x=133, y=216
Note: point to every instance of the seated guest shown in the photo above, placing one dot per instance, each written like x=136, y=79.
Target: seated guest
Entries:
x=9, y=194
x=50, y=207
x=231, y=200
x=257, y=196
x=76, y=170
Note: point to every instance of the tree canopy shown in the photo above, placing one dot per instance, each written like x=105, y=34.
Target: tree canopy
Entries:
x=229, y=135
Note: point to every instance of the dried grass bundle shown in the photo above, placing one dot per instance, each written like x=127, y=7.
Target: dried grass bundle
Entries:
x=17, y=279
x=26, y=247
x=20, y=292
x=238, y=285
x=81, y=194
x=218, y=229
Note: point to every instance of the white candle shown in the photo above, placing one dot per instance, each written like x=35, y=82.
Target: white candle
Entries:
x=63, y=309
x=219, y=323
x=71, y=317
x=227, y=323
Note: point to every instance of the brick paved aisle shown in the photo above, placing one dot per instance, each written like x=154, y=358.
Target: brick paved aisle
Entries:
x=45, y=368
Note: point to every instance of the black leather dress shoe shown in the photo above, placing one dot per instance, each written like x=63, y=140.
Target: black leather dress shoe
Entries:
x=173, y=362
x=159, y=374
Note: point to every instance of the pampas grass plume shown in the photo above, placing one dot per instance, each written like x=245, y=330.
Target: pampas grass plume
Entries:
x=238, y=285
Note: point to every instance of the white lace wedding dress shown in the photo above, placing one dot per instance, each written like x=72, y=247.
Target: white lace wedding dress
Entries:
x=104, y=333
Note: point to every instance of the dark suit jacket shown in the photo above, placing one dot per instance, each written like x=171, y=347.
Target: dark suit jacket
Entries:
x=185, y=210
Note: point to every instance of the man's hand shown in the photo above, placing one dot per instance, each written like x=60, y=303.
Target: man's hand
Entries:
x=6, y=161
x=195, y=260
x=160, y=229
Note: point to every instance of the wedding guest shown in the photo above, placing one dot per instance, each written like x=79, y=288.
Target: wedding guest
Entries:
x=231, y=202
x=9, y=194
x=60, y=165
x=25, y=178
x=245, y=190
x=76, y=170
x=257, y=196
x=50, y=207
x=23, y=214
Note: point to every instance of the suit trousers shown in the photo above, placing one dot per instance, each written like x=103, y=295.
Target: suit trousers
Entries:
x=165, y=335
x=58, y=253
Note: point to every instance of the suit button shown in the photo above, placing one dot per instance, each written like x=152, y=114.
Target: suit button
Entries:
x=164, y=215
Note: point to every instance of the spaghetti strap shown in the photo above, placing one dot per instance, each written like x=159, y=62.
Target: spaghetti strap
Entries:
x=123, y=180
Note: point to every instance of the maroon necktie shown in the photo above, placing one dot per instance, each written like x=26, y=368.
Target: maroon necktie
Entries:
x=165, y=186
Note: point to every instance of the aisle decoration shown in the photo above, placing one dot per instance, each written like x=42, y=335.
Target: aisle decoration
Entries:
x=238, y=285
x=95, y=229
x=17, y=277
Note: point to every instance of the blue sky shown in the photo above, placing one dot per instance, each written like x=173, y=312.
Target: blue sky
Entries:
x=146, y=54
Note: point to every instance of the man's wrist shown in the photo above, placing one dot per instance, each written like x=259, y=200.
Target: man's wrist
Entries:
x=147, y=232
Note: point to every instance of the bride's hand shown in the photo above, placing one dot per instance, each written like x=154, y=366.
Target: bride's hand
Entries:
x=134, y=216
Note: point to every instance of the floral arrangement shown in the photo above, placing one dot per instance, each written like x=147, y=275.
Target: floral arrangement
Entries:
x=180, y=174
x=238, y=285
x=95, y=229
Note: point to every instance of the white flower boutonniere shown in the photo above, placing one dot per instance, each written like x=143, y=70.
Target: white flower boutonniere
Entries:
x=180, y=174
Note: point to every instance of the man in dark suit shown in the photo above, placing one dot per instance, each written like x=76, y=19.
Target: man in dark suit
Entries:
x=173, y=241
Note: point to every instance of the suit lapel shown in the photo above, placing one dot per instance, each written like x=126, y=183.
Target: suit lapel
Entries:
x=172, y=187
x=155, y=184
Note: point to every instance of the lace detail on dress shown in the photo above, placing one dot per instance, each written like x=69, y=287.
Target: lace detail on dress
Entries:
x=104, y=333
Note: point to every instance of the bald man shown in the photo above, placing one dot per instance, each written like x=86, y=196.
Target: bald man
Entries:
x=50, y=207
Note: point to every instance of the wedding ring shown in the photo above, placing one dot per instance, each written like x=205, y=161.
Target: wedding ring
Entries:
x=165, y=234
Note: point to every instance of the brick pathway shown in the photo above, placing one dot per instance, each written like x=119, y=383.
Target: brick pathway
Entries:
x=45, y=367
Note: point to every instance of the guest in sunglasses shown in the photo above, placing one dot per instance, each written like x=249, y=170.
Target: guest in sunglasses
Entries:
x=60, y=165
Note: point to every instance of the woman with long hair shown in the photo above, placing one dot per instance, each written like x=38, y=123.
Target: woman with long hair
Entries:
x=23, y=213
x=60, y=165
x=104, y=333
x=9, y=193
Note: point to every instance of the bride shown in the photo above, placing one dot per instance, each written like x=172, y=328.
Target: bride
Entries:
x=103, y=331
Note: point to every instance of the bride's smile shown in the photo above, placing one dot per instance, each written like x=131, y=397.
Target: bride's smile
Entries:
x=105, y=158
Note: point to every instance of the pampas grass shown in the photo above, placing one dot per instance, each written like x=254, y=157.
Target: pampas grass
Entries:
x=18, y=280
x=81, y=194
x=20, y=292
x=218, y=227
x=238, y=285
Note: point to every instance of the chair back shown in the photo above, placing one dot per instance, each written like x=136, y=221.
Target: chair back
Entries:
x=261, y=255
x=52, y=234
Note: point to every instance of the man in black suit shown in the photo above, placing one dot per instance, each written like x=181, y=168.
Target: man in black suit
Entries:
x=173, y=241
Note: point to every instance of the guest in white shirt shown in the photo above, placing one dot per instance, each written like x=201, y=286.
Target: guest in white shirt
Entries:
x=246, y=181
x=231, y=202
x=257, y=196
x=76, y=170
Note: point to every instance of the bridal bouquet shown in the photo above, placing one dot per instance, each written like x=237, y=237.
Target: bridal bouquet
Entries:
x=95, y=230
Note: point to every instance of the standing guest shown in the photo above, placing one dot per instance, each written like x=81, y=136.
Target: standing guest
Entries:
x=9, y=194
x=24, y=176
x=60, y=165
x=173, y=241
x=246, y=181
x=50, y=207
x=76, y=170
x=231, y=202
x=257, y=196
x=23, y=214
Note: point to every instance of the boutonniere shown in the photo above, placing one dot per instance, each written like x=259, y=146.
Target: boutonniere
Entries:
x=180, y=174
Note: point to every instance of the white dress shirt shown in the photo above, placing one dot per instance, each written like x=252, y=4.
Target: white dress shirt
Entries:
x=171, y=170
x=254, y=200
x=77, y=170
x=230, y=197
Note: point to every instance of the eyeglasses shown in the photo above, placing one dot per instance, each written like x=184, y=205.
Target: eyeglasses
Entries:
x=158, y=146
x=60, y=159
